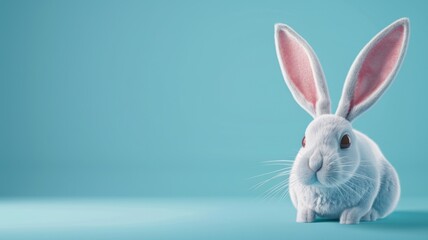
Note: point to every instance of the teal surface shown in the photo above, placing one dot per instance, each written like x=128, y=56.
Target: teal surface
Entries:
x=237, y=218
x=175, y=104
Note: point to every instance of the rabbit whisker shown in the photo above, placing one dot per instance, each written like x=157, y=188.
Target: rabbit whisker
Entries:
x=275, y=171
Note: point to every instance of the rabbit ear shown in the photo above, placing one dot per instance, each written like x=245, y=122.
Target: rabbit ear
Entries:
x=302, y=71
x=374, y=69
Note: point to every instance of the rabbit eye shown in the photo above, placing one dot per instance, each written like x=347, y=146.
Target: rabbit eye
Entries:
x=345, y=142
x=304, y=141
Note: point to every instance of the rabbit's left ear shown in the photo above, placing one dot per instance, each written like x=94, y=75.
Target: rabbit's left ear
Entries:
x=374, y=69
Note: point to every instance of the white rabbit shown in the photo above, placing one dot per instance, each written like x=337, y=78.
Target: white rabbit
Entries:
x=340, y=173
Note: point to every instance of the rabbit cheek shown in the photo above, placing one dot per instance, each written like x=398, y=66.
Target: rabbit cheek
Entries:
x=331, y=175
x=334, y=178
x=341, y=173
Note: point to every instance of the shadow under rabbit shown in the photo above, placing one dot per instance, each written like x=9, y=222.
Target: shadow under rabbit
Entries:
x=401, y=220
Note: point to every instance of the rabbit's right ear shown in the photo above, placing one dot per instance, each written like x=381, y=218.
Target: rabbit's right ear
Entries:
x=302, y=71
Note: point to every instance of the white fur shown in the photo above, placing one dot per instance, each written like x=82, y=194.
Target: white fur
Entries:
x=351, y=184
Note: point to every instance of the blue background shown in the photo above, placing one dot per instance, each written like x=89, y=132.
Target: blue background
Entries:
x=185, y=99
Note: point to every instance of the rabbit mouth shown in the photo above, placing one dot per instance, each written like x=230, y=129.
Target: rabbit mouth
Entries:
x=319, y=180
x=331, y=178
x=326, y=178
x=312, y=179
x=332, y=171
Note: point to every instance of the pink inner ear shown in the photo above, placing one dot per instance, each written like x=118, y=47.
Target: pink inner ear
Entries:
x=298, y=67
x=378, y=64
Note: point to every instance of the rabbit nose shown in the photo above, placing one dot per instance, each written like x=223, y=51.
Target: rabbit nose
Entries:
x=315, y=162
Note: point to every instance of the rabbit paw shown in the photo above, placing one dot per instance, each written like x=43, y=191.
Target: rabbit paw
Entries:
x=305, y=216
x=372, y=215
x=351, y=216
